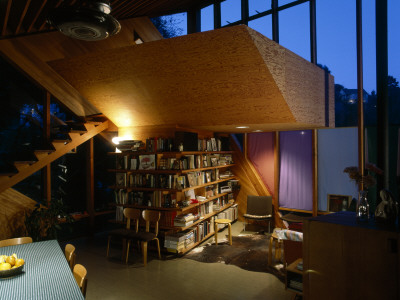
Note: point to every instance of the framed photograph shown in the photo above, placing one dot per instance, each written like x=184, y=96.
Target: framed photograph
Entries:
x=338, y=202
x=147, y=162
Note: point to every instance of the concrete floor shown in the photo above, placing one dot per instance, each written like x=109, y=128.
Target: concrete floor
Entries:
x=170, y=278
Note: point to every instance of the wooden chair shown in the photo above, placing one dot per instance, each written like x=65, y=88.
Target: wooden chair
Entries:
x=259, y=208
x=16, y=241
x=70, y=255
x=126, y=234
x=80, y=274
x=152, y=218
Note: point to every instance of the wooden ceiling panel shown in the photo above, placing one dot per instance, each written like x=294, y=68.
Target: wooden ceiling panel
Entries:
x=214, y=78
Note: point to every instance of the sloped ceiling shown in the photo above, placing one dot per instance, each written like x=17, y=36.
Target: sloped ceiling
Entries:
x=215, y=80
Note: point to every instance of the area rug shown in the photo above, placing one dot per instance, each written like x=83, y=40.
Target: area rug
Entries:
x=249, y=252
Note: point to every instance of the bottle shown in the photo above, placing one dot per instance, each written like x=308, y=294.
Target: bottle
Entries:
x=362, y=209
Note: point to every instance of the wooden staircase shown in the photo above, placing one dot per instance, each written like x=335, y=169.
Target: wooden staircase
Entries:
x=77, y=135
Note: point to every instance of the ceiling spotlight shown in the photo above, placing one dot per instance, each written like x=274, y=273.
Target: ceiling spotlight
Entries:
x=242, y=127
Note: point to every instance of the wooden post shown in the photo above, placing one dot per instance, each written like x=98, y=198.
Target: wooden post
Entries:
x=90, y=183
x=275, y=199
x=315, y=171
x=46, y=170
x=361, y=154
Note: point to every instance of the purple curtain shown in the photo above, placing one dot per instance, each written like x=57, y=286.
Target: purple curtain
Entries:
x=260, y=150
x=295, y=184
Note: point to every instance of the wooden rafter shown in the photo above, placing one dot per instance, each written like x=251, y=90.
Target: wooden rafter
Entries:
x=7, y=15
x=21, y=19
x=44, y=22
x=37, y=16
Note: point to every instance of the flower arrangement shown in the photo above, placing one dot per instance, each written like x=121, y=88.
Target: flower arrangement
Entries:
x=367, y=180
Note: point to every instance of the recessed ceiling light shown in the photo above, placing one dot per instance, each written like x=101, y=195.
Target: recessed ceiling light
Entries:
x=258, y=130
x=242, y=127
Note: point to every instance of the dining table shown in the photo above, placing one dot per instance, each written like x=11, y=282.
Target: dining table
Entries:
x=46, y=273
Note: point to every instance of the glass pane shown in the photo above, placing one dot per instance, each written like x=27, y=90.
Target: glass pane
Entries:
x=294, y=29
x=369, y=61
x=394, y=61
x=230, y=11
x=263, y=25
x=336, y=40
x=284, y=2
x=207, y=18
x=171, y=25
x=258, y=6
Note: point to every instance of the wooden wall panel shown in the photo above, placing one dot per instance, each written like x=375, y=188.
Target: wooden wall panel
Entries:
x=12, y=213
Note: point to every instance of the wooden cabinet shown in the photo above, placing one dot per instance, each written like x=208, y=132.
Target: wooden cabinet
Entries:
x=171, y=183
x=346, y=260
x=294, y=277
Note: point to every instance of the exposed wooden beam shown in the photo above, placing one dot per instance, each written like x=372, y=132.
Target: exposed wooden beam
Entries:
x=45, y=22
x=36, y=16
x=21, y=19
x=45, y=76
x=7, y=15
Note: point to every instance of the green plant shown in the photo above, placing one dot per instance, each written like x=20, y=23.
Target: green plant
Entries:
x=43, y=222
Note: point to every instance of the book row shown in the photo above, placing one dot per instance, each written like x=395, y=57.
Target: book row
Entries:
x=151, y=199
x=171, y=181
x=186, y=162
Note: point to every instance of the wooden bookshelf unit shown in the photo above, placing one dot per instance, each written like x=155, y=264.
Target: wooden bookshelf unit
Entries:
x=176, y=183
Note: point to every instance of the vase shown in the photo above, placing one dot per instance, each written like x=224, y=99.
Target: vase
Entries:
x=362, y=210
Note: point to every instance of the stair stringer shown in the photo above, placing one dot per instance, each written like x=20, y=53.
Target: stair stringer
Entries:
x=46, y=158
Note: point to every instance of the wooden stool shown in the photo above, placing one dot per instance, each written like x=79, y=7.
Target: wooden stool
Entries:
x=278, y=248
x=222, y=221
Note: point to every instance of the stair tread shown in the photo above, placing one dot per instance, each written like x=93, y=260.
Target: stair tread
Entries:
x=7, y=169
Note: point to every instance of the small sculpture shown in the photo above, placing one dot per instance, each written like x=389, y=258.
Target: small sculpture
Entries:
x=387, y=211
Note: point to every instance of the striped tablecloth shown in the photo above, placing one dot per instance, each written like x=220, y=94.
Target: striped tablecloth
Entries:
x=46, y=274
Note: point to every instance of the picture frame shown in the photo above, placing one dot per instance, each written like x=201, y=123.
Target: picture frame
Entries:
x=147, y=162
x=338, y=202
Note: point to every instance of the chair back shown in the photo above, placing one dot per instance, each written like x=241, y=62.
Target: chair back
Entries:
x=151, y=217
x=132, y=214
x=16, y=241
x=80, y=274
x=70, y=254
x=259, y=205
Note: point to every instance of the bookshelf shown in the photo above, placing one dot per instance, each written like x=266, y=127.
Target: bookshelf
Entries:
x=176, y=183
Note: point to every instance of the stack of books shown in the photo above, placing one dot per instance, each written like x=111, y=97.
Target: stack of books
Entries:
x=184, y=220
x=178, y=242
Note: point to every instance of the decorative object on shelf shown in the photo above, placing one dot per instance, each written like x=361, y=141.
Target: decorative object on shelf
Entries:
x=387, y=211
x=364, y=182
x=362, y=210
x=147, y=162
